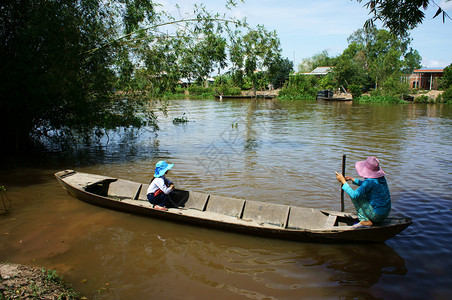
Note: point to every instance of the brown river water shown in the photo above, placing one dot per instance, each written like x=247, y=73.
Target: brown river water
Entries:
x=268, y=150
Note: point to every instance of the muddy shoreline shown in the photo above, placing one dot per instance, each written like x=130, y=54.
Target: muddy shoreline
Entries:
x=24, y=282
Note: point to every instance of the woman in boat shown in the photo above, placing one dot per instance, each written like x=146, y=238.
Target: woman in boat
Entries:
x=371, y=199
x=160, y=187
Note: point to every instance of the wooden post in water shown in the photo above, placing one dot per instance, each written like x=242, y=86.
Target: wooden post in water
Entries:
x=343, y=173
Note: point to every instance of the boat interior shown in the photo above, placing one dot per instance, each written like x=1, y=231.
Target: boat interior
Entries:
x=281, y=216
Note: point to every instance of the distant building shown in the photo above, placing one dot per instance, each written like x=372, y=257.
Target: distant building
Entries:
x=318, y=71
x=187, y=82
x=425, y=79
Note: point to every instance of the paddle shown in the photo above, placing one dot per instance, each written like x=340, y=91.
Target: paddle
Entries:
x=343, y=173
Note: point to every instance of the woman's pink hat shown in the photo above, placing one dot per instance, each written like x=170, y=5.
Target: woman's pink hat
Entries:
x=369, y=168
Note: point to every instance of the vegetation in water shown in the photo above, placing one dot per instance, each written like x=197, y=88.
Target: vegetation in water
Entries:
x=180, y=120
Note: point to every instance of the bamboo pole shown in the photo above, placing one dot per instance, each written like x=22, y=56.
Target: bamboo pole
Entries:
x=343, y=173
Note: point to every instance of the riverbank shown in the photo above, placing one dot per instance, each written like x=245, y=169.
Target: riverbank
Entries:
x=23, y=282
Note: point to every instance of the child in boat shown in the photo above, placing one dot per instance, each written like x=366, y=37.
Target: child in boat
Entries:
x=371, y=199
x=160, y=187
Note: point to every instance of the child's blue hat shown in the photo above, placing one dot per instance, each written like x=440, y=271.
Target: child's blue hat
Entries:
x=161, y=168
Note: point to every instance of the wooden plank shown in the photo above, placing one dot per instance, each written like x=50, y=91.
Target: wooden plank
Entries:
x=124, y=189
x=261, y=212
x=225, y=206
x=143, y=193
x=330, y=221
x=196, y=201
x=306, y=218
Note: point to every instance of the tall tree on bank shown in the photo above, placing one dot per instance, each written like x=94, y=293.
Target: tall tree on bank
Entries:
x=373, y=56
x=254, y=52
x=61, y=61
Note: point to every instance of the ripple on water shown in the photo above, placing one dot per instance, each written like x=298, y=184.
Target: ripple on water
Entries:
x=280, y=152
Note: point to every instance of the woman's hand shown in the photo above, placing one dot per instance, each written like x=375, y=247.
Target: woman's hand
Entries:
x=340, y=178
x=348, y=178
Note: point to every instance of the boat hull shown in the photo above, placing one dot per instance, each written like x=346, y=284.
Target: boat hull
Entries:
x=240, y=224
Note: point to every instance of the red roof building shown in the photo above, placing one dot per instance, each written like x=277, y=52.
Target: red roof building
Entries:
x=425, y=79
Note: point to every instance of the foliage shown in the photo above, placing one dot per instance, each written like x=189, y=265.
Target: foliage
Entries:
x=422, y=99
x=351, y=66
x=447, y=95
x=199, y=90
x=299, y=87
x=327, y=82
x=375, y=59
x=78, y=68
x=52, y=276
x=228, y=90
x=378, y=99
x=253, y=53
x=393, y=86
x=356, y=91
x=279, y=71
x=321, y=59
x=400, y=16
x=181, y=120
x=412, y=61
x=446, y=80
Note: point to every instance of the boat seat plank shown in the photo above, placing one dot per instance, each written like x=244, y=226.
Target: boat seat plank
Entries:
x=124, y=189
x=225, y=205
x=308, y=218
x=143, y=193
x=330, y=221
x=196, y=200
x=261, y=212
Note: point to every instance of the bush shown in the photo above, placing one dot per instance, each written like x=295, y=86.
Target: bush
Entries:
x=447, y=95
x=199, y=90
x=356, y=91
x=422, y=99
x=393, y=87
x=446, y=80
x=379, y=99
x=299, y=87
x=228, y=90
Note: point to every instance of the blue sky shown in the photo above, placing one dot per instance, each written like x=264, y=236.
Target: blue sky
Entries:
x=308, y=27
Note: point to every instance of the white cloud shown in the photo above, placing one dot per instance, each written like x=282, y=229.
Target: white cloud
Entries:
x=428, y=63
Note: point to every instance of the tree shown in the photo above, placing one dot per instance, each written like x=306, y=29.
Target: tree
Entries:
x=279, y=71
x=49, y=83
x=321, y=59
x=412, y=61
x=446, y=80
x=254, y=52
x=373, y=57
x=62, y=61
x=400, y=16
x=351, y=67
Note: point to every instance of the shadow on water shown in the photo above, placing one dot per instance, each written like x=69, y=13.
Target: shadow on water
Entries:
x=134, y=255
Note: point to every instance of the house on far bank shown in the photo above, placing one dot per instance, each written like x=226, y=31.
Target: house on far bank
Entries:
x=319, y=71
x=187, y=82
x=425, y=79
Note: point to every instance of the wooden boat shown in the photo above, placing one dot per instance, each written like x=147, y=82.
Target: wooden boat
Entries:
x=334, y=99
x=244, y=216
x=328, y=95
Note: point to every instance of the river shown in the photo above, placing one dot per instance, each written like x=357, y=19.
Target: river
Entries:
x=276, y=151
